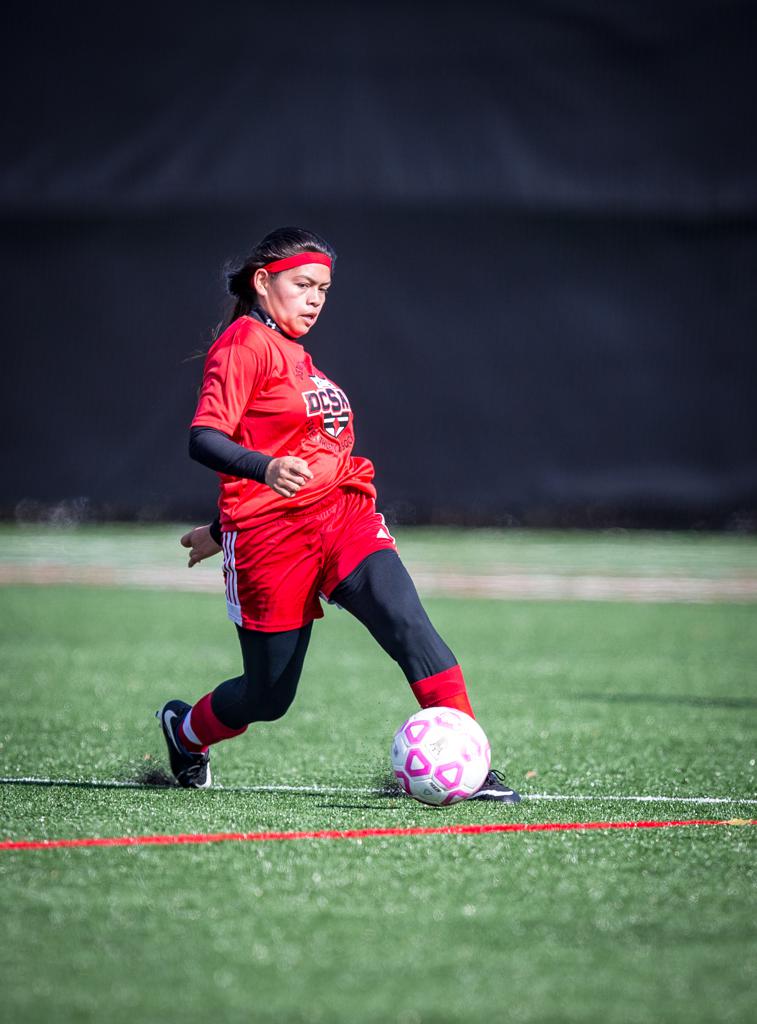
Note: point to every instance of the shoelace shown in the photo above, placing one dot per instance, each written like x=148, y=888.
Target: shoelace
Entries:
x=499, y=776
x=195, y=769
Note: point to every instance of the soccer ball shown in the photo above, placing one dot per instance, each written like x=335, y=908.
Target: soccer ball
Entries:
x=440, y=756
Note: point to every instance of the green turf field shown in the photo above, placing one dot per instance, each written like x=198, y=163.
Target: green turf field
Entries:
x=591, y=704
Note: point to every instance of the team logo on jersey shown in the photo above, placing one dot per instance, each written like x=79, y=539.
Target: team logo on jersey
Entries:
x=329, y=400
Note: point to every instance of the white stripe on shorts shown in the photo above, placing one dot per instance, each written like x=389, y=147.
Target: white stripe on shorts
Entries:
x=233, y=607
x=385, y=528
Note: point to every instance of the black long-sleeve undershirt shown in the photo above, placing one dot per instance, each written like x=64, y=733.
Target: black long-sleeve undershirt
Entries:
x=216, y=532
x=216, y=450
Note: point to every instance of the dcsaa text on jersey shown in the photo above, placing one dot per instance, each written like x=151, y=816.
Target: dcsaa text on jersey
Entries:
x=330, y=401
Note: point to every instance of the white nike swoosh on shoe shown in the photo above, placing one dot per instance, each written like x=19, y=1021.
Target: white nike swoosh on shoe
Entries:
x=167, y=716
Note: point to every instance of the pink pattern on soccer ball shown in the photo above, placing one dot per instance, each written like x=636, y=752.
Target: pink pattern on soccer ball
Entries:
x=440, y=756
x=415, y=731
x=468, y=753
x=404, y=782
x=449, y=775
x=454, y=796
x=417, y=764
x=448, y=720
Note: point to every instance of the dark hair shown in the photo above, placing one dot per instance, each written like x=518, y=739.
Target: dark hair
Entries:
x=277, y=245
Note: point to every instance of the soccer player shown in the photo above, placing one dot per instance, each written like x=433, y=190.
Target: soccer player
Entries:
x=297, y=513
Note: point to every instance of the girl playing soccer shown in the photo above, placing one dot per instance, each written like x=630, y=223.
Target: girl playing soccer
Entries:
x=297, y=514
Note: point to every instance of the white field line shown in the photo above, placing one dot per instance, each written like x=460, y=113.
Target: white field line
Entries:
x=30, y=780
x=536, y=586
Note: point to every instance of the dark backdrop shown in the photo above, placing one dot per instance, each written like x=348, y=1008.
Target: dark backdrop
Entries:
x=546, y=215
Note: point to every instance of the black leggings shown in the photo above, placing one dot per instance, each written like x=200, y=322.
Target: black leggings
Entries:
x=381, y=595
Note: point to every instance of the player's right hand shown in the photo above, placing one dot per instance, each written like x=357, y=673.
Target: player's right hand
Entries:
x=287, y=475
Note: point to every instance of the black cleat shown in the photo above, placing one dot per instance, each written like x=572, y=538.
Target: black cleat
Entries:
x=494, y=788
x=192, y=771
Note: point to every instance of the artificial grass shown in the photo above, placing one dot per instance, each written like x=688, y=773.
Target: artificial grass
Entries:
x=649, y=698
x=524, y=928
x=597, y=700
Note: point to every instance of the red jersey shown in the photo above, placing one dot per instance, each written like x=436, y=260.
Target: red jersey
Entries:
x=263, y=390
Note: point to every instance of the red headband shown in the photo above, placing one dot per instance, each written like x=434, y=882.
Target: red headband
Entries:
x=300, y=260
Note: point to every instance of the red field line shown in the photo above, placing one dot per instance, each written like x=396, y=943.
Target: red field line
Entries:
x=356, y=833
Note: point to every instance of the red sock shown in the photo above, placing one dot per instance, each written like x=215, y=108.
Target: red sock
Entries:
x=445, y=689
x=200, y=727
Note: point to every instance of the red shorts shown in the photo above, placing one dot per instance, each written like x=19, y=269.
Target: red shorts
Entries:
x=275, y=572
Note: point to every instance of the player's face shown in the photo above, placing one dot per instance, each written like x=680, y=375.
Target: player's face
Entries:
x=294, y=298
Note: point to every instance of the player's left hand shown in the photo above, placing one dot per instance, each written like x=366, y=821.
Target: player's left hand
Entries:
x=201, y=545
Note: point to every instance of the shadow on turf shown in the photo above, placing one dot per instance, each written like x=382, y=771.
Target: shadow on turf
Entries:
x=349, y=807
x=153, y=775
x=92, y=784
x=733, y=703
x=148, y=777
x=386, y=786
x=157, y=777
